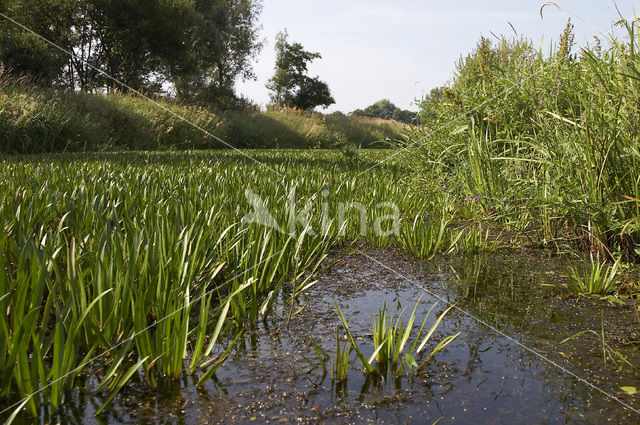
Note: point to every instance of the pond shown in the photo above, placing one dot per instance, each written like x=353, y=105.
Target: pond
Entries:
x=508, y=365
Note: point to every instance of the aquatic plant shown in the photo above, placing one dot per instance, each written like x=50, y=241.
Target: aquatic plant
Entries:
x=341, y=361
x=391, y=354
x=140, y=265
x=608, y=352
x=598, y=278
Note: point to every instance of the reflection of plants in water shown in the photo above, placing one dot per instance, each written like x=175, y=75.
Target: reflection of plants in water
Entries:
x=501, y=290
x=608, y=352
x=474, y=240
x=392, y=355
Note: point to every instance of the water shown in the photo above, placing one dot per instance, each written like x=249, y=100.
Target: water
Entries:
x=482, y=377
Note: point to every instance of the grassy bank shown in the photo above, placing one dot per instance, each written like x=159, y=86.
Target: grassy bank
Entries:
x=37, y=120
x=545, y=143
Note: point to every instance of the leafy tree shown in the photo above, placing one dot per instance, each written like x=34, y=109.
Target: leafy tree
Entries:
x=24, y=53
x=222, y=46
x=386, y=110
x=131, y=40
x=201, y=47
x=29, y=55
x=290, y=86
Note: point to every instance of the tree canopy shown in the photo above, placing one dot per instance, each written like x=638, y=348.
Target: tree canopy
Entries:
x=290, y=85
x=386, y=110
x=198, y=47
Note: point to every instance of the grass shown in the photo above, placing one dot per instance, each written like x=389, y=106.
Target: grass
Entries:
x=544, y=143
x=598, y=278
x=39, y=120
x=146, y=257
x=391, y=353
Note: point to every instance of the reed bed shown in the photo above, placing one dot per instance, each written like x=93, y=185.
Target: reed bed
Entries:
x=545, y=143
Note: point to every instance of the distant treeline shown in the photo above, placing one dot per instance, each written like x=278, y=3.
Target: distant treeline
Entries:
x=388, y=111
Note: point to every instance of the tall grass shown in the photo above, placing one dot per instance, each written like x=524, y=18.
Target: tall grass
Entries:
x=546, y=143
x=39, y=120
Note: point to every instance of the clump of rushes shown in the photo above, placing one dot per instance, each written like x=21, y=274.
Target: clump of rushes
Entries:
x=426, y=239
x=598, y=278
x=392, y=355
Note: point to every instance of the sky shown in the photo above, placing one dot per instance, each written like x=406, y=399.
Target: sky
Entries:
x=400, y=50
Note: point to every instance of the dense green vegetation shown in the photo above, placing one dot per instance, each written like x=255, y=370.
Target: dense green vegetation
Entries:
x=36, y=120
x=146, y=256
x=147, y=266
x=546, y=144
x=199, y=49
x=386, y=110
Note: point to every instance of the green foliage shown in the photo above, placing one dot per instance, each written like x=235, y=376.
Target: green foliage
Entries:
x=224, y=43
x=201, y=48
x=341, y=361
x=37, y=120
x=391, y=335
x=290, y=86
x=27, y=54
x=146, y=255
x=546, y=144
x=386, y=110
x=598, y=278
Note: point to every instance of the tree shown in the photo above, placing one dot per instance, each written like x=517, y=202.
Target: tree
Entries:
x=24, y=53
x=290, y=86
x=386, y=110
x=200, y=47
x=131, y=40
x=222, y=46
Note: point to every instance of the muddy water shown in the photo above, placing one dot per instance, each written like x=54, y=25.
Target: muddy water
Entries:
x=483, y=377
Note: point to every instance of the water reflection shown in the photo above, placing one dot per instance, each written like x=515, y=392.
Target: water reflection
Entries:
x=274, y=373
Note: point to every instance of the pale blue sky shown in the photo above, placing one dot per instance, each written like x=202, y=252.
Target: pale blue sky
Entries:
x=375, y=49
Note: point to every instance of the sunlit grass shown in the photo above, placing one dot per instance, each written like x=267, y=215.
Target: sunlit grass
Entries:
x=146, y=255
x=598, y=278
x=392, y=354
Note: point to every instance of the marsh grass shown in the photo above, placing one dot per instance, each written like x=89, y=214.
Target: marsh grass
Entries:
x=544, y=143
x=140, y=266
x=392, y=356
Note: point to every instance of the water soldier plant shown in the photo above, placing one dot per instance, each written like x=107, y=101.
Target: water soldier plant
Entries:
x=392, y=355
x=140, y=266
